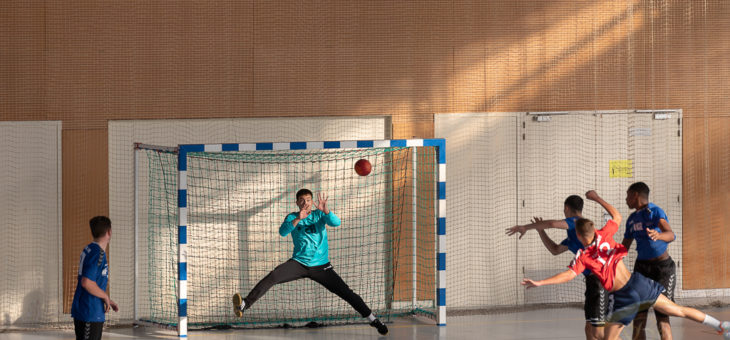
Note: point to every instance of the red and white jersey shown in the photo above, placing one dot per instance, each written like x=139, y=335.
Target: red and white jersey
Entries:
x=601, y=256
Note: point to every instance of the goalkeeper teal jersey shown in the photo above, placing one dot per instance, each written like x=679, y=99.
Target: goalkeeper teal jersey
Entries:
x=310, y=236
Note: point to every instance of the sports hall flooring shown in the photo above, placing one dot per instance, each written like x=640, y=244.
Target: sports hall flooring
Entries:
x=558, y=323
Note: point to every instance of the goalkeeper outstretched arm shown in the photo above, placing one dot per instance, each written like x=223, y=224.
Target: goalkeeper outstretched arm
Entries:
x=329, y=217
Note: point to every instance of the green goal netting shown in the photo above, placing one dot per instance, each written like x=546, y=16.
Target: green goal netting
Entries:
x=385, y=249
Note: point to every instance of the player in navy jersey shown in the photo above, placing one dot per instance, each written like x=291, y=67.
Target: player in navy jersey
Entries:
x=649, y=226
x=629, y=293
x=595, y=307
x=310, y=259
x=90, y=299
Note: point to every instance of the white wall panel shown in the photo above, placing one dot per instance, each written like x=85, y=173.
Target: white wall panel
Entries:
x=30, y=203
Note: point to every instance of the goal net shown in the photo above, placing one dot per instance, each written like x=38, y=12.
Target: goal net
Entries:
x=208, y=218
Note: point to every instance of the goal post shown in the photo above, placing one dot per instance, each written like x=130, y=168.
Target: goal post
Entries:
x=231, y=199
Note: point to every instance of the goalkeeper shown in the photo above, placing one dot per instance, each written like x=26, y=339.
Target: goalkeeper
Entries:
x=310, y=258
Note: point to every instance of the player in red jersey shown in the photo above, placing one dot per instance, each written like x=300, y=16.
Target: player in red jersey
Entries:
x=630, y=293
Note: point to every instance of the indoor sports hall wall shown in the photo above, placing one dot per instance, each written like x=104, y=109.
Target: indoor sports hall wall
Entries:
x=123, y=135
x=30, y=207
x=86, y=63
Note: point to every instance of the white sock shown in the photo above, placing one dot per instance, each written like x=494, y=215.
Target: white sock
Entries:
x=712, y=322
x=243, y=304
x=372, y=318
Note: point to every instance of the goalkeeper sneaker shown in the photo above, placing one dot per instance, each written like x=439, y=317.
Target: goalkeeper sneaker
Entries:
x=725, y=330
x=238, y=305
x=382, y=328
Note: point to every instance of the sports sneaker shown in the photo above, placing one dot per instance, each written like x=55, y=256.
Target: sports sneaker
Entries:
x=382, y=328
x=725, y=326
x=237, y=302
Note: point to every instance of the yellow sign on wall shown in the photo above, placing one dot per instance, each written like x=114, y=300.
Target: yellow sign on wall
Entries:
x=620, y=168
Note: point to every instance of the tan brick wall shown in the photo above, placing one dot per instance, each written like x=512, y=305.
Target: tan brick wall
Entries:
x=86, y=62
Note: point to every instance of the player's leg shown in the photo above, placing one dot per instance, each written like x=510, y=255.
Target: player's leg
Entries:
x=663, y=325
x=327, y=277
x=88, y=330
x=665, y=272
x=595, y=307
x=79, y=328
x=96, y=329
x=639, y=325
x=612, y=331
x=670, y=308
x=285, y=272
x=593, y=332
x=627, y=302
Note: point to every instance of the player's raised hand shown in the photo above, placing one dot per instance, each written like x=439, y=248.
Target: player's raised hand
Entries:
x=304, y=212
x=653, y=234
x=322, y=202
x=516, y=229
x=529, y=283
x=592, y=195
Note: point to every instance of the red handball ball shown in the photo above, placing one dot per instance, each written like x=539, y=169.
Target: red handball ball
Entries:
x=363, y=167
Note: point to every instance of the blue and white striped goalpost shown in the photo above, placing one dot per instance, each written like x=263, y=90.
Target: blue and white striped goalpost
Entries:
x=438, y=143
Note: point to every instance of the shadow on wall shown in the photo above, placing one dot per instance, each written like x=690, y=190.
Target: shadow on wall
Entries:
x=32, y=309
x=6, y=322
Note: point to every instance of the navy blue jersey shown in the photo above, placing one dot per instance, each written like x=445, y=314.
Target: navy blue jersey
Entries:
x=636, y=226
x=572, y=241
x=92, y=266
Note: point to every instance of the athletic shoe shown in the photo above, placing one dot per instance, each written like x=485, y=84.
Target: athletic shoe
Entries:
x=382, y=329
x=237, y=302
x=725, y=326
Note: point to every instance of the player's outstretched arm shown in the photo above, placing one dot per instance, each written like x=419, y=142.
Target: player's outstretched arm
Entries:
x=537, y=223
x=553, y=280
x=615, y=215
x=329, y=217
x=291, y=221
x=322, y=203
x=551, y=246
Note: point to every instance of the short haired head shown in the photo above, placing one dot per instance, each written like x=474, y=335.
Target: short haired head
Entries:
x=303, y=192
x=640, y=188
x=636, y=195
x=585, y=230
x=100, y=225
x=574, y=203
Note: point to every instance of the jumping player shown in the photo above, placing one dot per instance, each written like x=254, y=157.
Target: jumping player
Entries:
x=596, y=302
x=630, y=292
x=649, y=226
x=308, y=228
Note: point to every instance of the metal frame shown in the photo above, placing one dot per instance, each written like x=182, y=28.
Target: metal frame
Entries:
x=438, y=143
